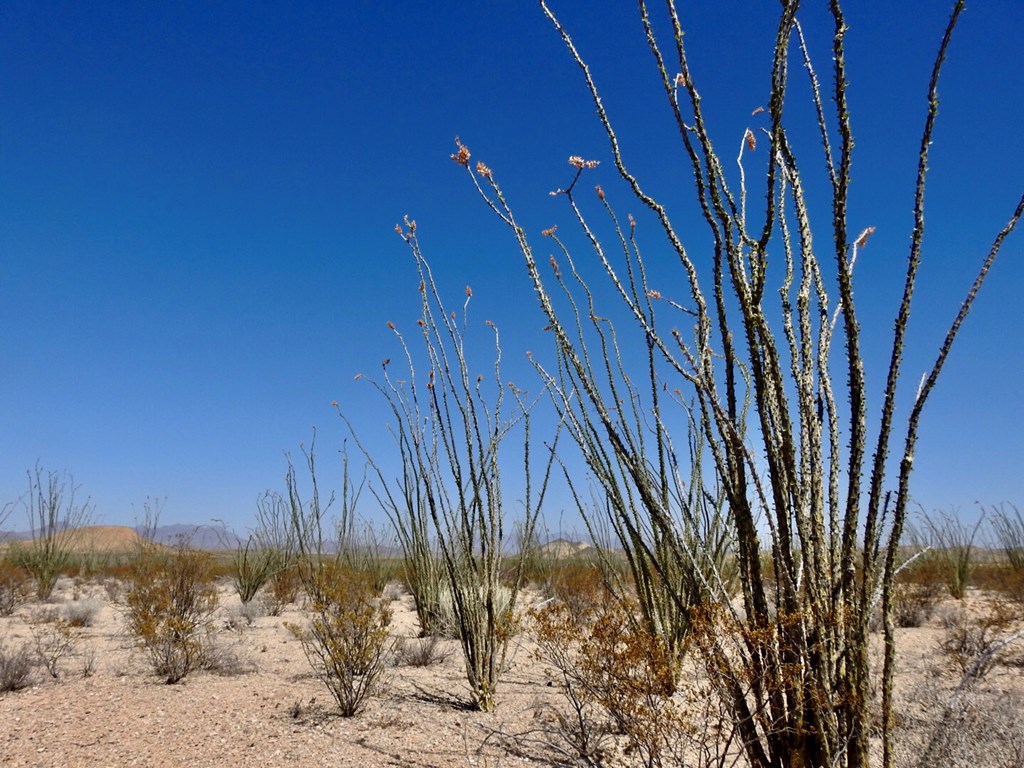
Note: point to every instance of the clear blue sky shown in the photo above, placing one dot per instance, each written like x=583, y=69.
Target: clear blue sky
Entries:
x=198, y=200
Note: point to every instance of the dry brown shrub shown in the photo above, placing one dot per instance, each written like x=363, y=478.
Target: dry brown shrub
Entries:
x=170, y=602
x=282, y=589
x=346, y=640
x=577, y=584
x=15, y=586
x=619, y=682
x=972, y=641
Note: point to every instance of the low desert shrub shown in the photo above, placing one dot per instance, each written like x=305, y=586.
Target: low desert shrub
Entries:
x=169, y=603
x=15, y=586
x=447, y=622
x=421, y=651
x=81, y=613
x=242, y=615
x=579, y=584
x=974, y=643
x=346, y=639
x=15, y=667
x=223, y=658
x=619, y=681
x=282, y=589
x=53, y=638
x=969, y=724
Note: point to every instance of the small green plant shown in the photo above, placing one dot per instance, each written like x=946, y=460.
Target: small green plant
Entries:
x=169, y=603
x=346, y=640
x=252, y=566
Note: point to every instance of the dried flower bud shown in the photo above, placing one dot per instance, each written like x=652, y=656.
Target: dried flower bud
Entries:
x=420, y=322
x=751, y=141
x=861, y=241
x=680, y=80
x=479, y=378
x=469, y=292
x=483, y=170
x=398, y=228
x=600, y=192
x=412, y=225
x=554, y=266
x=334, y=403
x=462, y=156
x=578, y=162
x=757, y=111
x=547, y=327
x=632, y=221
x=488, y=323
x=549, y=232
x=357, y=377
x=386, y=362
x=391, y=325
x=653, y=294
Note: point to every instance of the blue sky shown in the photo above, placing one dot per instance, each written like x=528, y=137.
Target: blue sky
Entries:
x=197, y=210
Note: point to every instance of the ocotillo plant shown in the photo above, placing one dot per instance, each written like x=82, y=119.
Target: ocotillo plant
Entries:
x=807, y=479
x=449, y=428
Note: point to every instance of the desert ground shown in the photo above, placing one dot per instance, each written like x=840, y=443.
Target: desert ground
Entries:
x=260, y=705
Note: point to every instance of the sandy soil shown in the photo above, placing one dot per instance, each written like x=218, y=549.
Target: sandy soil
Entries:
x=272, y=711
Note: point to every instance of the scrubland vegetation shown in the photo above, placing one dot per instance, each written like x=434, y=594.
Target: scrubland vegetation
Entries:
x=606, y=690
x=761, y=591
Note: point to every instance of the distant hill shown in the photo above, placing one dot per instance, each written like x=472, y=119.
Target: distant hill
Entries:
x=104, y=539
x=121, y=538
x=560, y=549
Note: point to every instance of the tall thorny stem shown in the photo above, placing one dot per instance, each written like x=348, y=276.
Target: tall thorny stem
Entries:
x=795, y=668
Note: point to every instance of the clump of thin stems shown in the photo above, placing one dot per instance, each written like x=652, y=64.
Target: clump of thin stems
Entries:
x=1008, y=527
x=55, y=520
